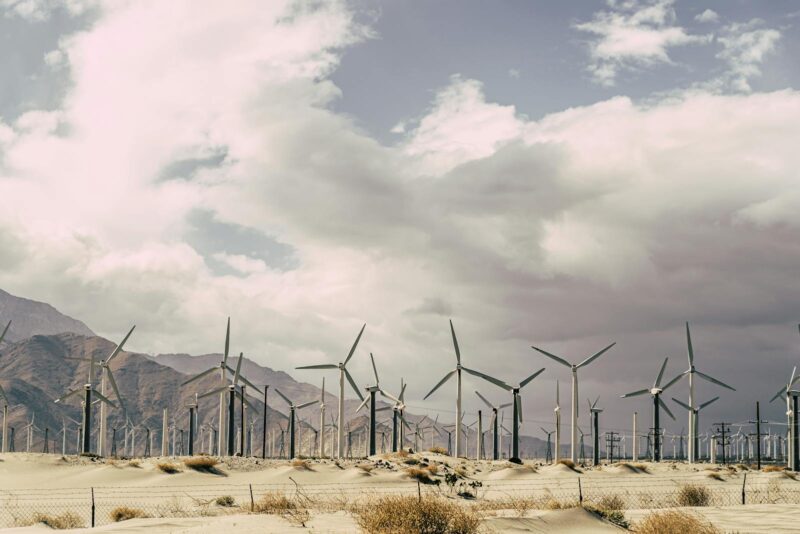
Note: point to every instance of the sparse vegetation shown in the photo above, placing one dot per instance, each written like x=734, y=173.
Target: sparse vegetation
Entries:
x=60, y=522
x=226, y=501
x=693, y=495
x=610, y=508
x=773, y=468
x=398, y=514
x=419, y=473
x=203, y=464
x=674, y=522
x=135, y=463
x=438, y=450
x=715, y=476
x=277, y=503
x=301, y=463
x=168, y=468
x=123, y=513
x=367, y=468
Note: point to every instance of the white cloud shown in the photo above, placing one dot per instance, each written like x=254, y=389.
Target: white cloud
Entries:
x=41, y=10
x=709, y=15
x=745, y=47
x=633, y=34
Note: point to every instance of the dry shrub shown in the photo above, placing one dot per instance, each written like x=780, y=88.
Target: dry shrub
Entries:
x=277, y=503
x=402, y=453
x=404, y=514
x=555, y=504
x=521, y=505
x=461, y=471
x=168, y=468
x=367, y=468
x=742, y=467
x=421, y=474
x=611, y=502
x=226, y=501
x=610, y=507
x=642, y=467
x=674, y=522
x=570, y=464
x=411, y=461
x=693, y=495
x=773, y=468
x=438, y=450
x=203, y=464
x=135, y=463
x=60, y=522
x=123, y=513
x=301, y=463
x=715, y=476
x=433, y=469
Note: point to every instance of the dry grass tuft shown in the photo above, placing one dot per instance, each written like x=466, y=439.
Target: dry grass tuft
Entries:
x=60, y=522
x=402, y=514
x=276, y=503
x=203, y=464
x=123, y=513
x=641, y=467
x=433, y=469
x=367, y=468
x=168, y=468
x=674, y=522
x=693, y=495
x=421, y=474
x=301, y=463
x=226, y=501
x=438, y=450
x=773, y=468
x=610, y=508
x=742, y=467
x=135, y=463
x=715, y=476
x=555, y=504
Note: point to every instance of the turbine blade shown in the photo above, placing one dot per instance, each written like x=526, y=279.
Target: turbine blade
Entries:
x=374, y=369
x=284, y=397
x=3, y=395
x=227, y=342
x=363, y=403
x=664, y=405
x=671, y=382
x=491, y=379
x=115, y=388
x=118, y=349
x=486, y=402
x=238, y=368
x=455, y=342
x=780, y=392
x=682, y=404
x=353, y=349
x=103, y=398
x=248, y=383
x=793, y=379
x=689, y=345
x=402, y=391
x=635, y=393
x=389, y=396
x=518, y=400
x=594, y=356
x=68, y=395
x=3, y=335
x=560, y=360
x=213, y=392
x=201, y=375
x=534, y=375
x=352, y=383
x=305, y=405
x=382, y=408
x=442, y=381
x=558, y=395
x=247, y=402
x=661, y=373
x=321, y=366
x=707, y=403
x=504, y=405
x=714, y=380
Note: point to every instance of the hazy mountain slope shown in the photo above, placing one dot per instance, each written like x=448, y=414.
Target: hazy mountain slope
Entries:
x=29, y=317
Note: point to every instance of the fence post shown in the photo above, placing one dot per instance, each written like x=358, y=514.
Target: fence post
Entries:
x=744, y=481
x=419, y=492
x=92, y=507
x=580, y=491
x=252, y=501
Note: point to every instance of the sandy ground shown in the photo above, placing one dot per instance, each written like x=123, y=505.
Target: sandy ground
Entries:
x=49, y=483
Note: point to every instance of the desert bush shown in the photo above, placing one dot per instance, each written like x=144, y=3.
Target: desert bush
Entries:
x=135, y=463
x=693, y=495
x=420, y=474
x=367, y=468
x=438, y=450
x=610, y=507
x=402, y=514
x=773, y=468
x=674, y=522
x=301, y=463
x=742, y=467
x=433, y=469
x=60, y=522
x=715, y=476
x=555, y=504
x=225, y=501
x=611, y=502
x=277, y=503
x=168, y=467
x=642, y=467
x=204, y=464
x=411, y=461
x=123, y=513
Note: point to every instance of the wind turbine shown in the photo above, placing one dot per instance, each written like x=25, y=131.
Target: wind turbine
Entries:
x=222, y=367
x=557, y=413
x=457, y=372
x=574, y=368
x=372, y=391
x=655, y=392
x=397, y=417
x=691, y=371
x=343, y=373
x=292, y=417
x=88, y=391
x=494, y=424
x=595, y=412
x=694, y=414
x=5, y=418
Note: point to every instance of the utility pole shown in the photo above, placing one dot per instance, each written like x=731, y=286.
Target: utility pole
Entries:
x=264, y=431
x=612, y=440
x=758, y=423
x=724, y=432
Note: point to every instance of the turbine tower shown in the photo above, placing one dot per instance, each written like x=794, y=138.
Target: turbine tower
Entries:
x=574, y=368
x=494, y=424
x=457, y=372
x=343, y=373
x=108, y=376
x=5, y=401
x=557, y=413
x=658, y=403
x=787, y=390
x=292, y=418
x=594, y=412
x=691, y=371
x=372, y=391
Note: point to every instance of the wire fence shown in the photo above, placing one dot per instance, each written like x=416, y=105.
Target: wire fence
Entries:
x=83, y=507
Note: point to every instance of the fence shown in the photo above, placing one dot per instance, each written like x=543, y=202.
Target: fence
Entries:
x=94, y=506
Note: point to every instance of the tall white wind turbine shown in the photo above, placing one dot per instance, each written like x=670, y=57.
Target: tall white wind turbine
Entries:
x=343, y=373
x=690, y=372
x=457, y=372
x=5, y=401
x=108, y=377
x=574, y=368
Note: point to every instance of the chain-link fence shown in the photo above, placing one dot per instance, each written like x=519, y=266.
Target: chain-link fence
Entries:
x=102, y=505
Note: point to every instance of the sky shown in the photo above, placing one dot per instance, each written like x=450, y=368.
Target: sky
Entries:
x=558, y=174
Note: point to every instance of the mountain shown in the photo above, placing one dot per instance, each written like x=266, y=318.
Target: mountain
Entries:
x=29, y=318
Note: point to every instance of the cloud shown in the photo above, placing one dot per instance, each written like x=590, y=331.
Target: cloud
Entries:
x=41, y=10
x=631, y=35
x=745, y=47
x=709, y=15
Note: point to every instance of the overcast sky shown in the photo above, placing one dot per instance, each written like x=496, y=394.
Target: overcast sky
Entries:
x=550, y=173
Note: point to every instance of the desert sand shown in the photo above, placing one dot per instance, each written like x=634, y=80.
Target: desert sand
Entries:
x=510, y=497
